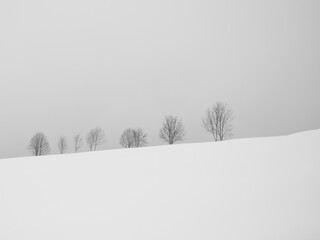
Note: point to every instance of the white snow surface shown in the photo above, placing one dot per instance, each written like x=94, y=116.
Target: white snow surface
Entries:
x=246, y=189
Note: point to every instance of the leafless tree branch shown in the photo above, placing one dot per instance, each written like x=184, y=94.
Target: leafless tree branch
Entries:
x=172, y=130
x=218, y=121
x=62, y=145
x=39, y=145
x=77, y=140
x=133, y=138
x=95, y=138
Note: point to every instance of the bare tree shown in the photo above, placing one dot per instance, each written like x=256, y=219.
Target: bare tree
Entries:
x=139, y=138
x=77, y=142
x=126, y=139
x=95, y=138
x=218, y=121
x=39, y=145
x=172, y=130
x=133, y=138
x=62, y=145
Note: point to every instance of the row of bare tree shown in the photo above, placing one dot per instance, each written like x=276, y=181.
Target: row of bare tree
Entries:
x=217, y=121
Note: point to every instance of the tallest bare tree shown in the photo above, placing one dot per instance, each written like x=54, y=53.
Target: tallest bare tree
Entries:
x=218, y=121
x=39, y=145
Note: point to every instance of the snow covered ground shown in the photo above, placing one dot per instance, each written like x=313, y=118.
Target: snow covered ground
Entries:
x=246, y=189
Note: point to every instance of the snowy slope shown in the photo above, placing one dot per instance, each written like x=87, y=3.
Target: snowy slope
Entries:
x=247, y=189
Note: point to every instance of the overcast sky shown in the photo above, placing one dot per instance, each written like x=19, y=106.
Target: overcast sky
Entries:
x=70, y=65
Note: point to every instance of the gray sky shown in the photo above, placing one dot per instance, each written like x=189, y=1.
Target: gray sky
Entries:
x=70, y=65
